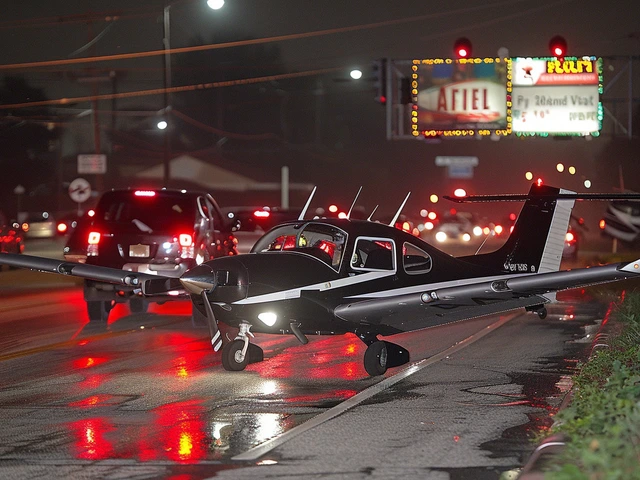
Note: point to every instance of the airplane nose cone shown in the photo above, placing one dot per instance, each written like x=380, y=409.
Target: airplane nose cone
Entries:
x=198, y=279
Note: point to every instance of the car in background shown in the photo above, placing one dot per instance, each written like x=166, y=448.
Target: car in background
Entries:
x=38, y=225
x=66, y=223
x=252, y=222
x=457, y=227
x=252, y=219
x=573, y=237
x=163, y=232
x=11, y=236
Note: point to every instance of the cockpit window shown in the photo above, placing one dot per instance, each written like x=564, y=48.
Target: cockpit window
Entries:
x=415, y=260
x=324, y=242
x=373, y=254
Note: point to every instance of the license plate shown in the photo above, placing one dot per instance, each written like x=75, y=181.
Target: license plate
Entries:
x=139, y=250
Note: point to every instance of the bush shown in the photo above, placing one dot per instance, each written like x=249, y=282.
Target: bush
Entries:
x=602, y=423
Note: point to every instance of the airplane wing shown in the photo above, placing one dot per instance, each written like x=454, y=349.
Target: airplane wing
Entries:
x=439, y=306
x=149, y=283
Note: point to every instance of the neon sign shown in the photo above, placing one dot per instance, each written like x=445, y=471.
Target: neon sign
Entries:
x=461, y=97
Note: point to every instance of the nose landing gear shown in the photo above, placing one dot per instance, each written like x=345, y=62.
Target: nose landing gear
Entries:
x=238, y=354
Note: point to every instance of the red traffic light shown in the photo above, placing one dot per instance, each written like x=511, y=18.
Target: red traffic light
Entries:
x=558, y=46
x=462, y=48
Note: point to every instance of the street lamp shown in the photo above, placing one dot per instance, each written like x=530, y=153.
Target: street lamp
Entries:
x=166, y=41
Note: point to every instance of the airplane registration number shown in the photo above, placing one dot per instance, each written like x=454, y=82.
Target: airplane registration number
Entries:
x=519, y=267
x=139, y=250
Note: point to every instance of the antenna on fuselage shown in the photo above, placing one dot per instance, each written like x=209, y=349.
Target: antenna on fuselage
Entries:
x=354, y=202
x=306, y=205
x=374, y=211
x=393, y=221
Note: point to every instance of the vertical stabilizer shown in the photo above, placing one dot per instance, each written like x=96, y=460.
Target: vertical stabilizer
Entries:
x=537, y=240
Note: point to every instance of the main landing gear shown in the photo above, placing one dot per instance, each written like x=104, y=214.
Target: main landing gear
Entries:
x=540, y=310
x=236, y=355
x=381, y=355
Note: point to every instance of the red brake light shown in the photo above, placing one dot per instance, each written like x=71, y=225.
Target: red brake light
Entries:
x=602, y=224
x=94, y=238
x=91, y=213
x=185, y=240
x=569, y=237
x=144, y=193
x=261, y=214
x=62, y=227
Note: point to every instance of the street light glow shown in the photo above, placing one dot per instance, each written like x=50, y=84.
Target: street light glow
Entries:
x=162, y=125
x=356, y=74
x=215, y=4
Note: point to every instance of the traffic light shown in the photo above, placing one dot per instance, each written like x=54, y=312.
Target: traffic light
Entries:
x=558, y=46
x=380, y=78
x=462, y=48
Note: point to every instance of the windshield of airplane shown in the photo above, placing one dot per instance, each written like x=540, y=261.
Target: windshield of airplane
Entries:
x=324, y=242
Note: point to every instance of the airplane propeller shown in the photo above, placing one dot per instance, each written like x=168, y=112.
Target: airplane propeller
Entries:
x=200, y=283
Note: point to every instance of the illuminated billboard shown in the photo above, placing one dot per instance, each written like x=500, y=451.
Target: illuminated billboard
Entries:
x=557, y=96
x=460, y=97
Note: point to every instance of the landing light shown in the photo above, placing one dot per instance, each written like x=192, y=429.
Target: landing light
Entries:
x=268, y=318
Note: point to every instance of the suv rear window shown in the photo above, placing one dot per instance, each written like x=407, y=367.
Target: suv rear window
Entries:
x=157, y=210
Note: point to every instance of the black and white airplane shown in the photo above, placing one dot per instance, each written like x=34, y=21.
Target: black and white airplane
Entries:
x=333, y=276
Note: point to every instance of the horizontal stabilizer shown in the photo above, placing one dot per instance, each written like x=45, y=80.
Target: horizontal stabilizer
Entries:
x=516, y=197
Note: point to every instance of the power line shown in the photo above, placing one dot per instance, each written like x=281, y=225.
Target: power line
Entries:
x=159, y=91
x=257, y=41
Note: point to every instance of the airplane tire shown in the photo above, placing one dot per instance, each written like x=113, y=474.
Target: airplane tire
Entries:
x=230, y=356
x=98, y=310
x=375, y=359
x=542, y=313
x=138, y=305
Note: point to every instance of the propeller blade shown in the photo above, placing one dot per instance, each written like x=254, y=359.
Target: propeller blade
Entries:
x=214, y=331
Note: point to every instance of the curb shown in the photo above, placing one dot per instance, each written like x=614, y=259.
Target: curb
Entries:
x=554, y=445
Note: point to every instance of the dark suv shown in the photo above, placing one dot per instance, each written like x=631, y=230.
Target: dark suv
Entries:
x=162, y=232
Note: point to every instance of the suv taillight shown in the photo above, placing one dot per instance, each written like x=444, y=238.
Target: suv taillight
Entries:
x=93, y=240
x=187, y=250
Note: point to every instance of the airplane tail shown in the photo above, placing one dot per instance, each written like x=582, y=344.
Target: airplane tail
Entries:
x=537, y=240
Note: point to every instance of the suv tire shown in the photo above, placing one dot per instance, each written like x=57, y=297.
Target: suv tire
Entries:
x=138, y=305
x=98, y=310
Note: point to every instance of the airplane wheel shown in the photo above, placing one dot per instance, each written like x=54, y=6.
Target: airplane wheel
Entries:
x=231, y=354
x=98, y=310
x=375, y=359
x=542, y=313
x=138, y=305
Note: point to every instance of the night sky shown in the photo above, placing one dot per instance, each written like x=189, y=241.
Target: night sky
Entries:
x=355, y=32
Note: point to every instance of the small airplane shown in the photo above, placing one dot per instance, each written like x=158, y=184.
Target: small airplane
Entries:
x=334, y=276
x=621, y=220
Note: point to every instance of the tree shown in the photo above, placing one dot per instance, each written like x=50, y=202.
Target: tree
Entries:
x=26, y=136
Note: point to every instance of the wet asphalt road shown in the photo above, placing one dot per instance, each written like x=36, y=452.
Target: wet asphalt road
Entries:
x=80, y=401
